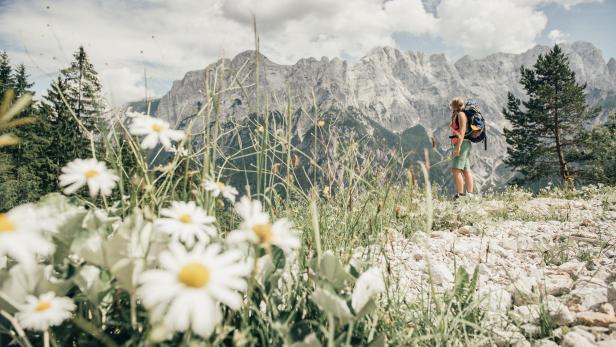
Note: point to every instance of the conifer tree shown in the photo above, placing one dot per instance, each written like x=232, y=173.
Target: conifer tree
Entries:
x=73, y=104
x=83, y=89
x=70, y=141
x=21, y=83
x=6, y=74
x=544, y=135
x=26, y=171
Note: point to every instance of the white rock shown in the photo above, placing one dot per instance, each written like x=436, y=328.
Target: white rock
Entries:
x=589, y=294
x=571, y=267
x=557, y=284
x=575, y=339
x=494, y=299
x=607, y=308
x=530, y=314
x=611, y=293
x=525, y=314
x=523, y=291
x=440, y=273
x=509, y=244
x=545, y=343
x=606, y=343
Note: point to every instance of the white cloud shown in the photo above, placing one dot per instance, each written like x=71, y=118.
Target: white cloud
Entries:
x=172, y=37
x=557, y=36
x=123, y=84
x=483, y=27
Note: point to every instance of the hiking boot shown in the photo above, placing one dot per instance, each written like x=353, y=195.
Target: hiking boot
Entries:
x=458, y=196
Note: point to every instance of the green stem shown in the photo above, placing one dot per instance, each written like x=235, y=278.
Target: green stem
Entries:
x=331, y=342
x=20, y=332
x=46, y=338
x=350, y=333
x=93, y=330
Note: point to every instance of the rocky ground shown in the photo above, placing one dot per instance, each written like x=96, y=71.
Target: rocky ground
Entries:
x=546, y=261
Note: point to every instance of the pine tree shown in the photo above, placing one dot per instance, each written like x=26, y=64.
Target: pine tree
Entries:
x=544, y=136
x=26, y=172
x=73, y=104
x=21, y=83
x=599, y=153
x=70, y=141
x=6, y=74
x=83, y=89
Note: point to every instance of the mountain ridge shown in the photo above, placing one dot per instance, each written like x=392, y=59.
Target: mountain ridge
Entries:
x=396, y=89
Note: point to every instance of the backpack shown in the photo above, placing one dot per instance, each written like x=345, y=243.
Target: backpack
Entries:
x=476, y=124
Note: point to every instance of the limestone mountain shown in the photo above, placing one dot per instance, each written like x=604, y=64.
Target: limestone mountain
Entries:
x=390, y=88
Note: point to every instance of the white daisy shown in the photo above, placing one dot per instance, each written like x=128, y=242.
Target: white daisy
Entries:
x=218, y=188
x=92, y=172
x=367, y=285
x=21, y=236
x=257, y=228
x=155, y=131
x=185, y=293
x=186, y=222
x=39, y=313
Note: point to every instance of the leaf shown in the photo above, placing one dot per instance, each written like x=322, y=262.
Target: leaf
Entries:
x=332, y=271
x=368, y=308
x=89, y=282
x=278, y=257
x=308, y=341
x=331, y=303
x=380, y=341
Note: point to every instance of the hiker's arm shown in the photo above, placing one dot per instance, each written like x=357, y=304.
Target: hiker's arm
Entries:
x=461, y=132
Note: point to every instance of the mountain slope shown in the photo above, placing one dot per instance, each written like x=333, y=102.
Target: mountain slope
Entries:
x=395, y=89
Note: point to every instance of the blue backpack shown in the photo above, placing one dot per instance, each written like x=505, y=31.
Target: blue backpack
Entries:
x=476, y=124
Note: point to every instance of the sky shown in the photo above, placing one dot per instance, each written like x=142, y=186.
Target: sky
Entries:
x=163, y=39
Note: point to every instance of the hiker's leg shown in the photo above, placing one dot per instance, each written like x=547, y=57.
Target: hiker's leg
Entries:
x=468, y=180
x=458, y=180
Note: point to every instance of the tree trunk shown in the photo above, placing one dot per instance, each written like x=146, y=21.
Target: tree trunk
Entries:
x=564, y=171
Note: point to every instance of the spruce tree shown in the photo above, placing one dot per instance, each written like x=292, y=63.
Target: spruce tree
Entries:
x=83, y=89
x=6, y=74
x=26, y=172
x=70, y=141
x=543, y=137
x=21, y=83
x=73, y=105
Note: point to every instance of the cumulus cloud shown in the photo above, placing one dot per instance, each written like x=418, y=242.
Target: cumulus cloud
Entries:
x=169, y=38
x=557, y=36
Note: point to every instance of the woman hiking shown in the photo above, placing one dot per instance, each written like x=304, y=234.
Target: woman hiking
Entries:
x=461, y=165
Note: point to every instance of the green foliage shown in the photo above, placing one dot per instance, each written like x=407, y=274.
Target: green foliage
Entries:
x=7, y=79
x=598, y=155
x=59, y=130
x=546, y=133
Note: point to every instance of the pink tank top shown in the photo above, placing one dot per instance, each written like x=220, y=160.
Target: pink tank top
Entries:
x=455, y=130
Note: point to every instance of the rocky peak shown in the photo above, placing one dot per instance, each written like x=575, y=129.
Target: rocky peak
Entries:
x=611, y=65
x=393, y=88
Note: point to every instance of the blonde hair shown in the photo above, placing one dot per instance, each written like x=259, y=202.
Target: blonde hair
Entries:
x=457, y=103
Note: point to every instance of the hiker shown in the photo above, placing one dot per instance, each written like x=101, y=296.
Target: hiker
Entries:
x=461, y=165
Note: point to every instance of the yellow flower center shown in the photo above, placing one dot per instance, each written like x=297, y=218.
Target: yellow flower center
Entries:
x=185, y=218
x=321, y=123
x=264, y=232
x=43, y=306
x=194, y=275
x=220, y=185
x=91, y=173
x=6, y=225
x=156, y=127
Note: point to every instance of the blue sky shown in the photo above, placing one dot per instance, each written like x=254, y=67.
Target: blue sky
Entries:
x=169, y=38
